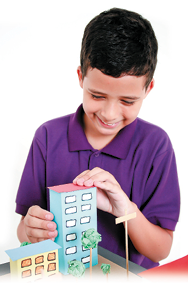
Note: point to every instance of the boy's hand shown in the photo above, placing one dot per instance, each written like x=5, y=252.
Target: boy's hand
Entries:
x=110, y=197
x=38, y=224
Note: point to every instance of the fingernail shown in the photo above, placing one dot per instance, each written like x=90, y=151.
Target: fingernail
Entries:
x=88, y=182
x=48, y=217
x=80, y=181
x=52, y=234
x=50, y=225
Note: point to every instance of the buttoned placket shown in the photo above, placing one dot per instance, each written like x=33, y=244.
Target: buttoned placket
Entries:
x=95, y=160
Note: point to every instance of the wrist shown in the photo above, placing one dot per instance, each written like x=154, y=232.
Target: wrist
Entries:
x=131, y=207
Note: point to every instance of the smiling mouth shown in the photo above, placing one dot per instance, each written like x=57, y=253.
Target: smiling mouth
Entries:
x=110, y=125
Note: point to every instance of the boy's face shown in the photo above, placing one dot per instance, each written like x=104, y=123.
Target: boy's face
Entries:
x=110, y=103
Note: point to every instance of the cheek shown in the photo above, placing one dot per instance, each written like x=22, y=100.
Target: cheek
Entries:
x=138, y=108
x=89, y=107
x=131, y=112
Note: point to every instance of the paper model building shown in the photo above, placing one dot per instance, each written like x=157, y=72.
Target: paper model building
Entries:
x=34, y=259
x=74, y=209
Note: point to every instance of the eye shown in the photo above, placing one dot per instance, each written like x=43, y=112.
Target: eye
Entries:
x=128, y=102
x=97, y=97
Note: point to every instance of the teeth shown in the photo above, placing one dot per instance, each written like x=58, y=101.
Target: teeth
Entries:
x=108, y=123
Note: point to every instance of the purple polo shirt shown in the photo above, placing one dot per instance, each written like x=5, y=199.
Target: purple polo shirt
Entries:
x=140, y=157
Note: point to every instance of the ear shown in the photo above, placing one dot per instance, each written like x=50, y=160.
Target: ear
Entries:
x=150, y=87
x=79, y=72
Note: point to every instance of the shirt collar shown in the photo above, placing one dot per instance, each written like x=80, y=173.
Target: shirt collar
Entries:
x=118, y=147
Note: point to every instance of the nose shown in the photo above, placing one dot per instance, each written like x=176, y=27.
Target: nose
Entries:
x=110, y=111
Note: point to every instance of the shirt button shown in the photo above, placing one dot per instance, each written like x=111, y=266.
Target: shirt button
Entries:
x=97, y=154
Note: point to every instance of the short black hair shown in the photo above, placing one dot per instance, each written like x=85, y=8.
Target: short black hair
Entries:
x=119, y=42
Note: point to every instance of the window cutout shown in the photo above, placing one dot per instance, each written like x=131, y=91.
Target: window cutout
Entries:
x=39, y=270
x=86, y=207
x=70, y=199
x=71, y=237
x=84, y=220
x=26, y=273
x=51, y=267
x=71, y=210
x=86, y=196
x=71, y=223
x=71, y=250
x=26, y=263
x=39, y=259
x=51, y=256
x=86, y=259
x=83, y=249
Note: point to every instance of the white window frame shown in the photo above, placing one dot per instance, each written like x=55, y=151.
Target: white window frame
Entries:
x=86, y=196
x=70, y=199
x=86, y=207
x=71, y=250
x=70, y=222
x=85, y=259
x=86, y=218
x=71, y=210
x=71, y=237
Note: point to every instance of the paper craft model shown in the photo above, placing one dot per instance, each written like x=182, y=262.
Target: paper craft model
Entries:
x=34, y=259
x=74, y=209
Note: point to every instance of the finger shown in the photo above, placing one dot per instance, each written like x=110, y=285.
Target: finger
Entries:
x=34, y=222
x=88, y=176
x=108, y=186
x=34, y=240
x=35, y=233
x=38, y=212
x=101, y=176
x=87, y=173
x=80, y=175
x=40, y=239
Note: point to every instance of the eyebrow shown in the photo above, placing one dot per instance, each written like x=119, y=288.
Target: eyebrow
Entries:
x=122, y=97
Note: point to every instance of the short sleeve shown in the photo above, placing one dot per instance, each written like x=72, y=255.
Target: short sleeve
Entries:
x=161, y=202
x=32, y=189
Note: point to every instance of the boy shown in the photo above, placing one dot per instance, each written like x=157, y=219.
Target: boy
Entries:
x=104, y=144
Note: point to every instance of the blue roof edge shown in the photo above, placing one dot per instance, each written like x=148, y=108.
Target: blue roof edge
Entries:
x=32, y=249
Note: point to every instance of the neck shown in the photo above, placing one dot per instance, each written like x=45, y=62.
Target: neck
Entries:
x=96, y=140
x=98, y=143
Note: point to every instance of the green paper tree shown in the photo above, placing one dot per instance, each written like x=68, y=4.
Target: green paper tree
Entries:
x=90, y=240
x=76, y=268
x=25, y=243
x=105, y=269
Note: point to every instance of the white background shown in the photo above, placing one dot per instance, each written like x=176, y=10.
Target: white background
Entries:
x=39, y=54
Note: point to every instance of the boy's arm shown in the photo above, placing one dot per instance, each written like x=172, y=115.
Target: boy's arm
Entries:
x=150, y=240
x=36, y=226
